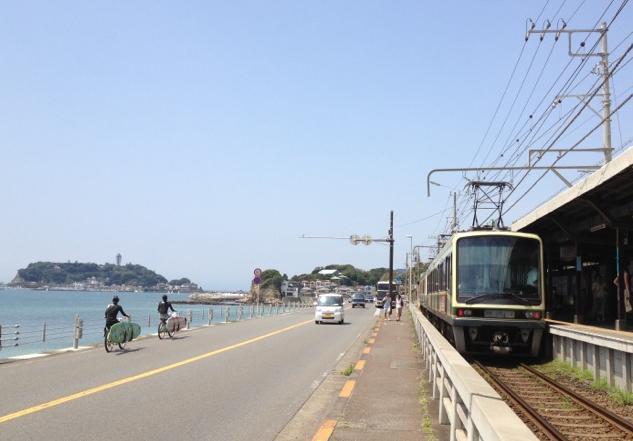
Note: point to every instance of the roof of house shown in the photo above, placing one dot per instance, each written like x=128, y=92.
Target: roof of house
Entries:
x=328, y=272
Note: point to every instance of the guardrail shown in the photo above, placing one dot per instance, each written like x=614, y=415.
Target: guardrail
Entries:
x=472, y=408
x=73, y=332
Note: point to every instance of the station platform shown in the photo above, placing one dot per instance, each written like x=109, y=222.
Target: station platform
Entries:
x=607, y=353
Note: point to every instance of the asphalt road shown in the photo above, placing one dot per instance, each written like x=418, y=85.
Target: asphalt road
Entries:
x=241, y=381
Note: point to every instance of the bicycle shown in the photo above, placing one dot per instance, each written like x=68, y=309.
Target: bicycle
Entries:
x=109, y=344
x=163, y=329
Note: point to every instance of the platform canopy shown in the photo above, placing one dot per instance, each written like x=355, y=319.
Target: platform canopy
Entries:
x=589, y=211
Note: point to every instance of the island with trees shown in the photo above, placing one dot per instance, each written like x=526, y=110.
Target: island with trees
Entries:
x=96, y=277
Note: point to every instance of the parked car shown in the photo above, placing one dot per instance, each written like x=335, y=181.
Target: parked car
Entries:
x=358, y=300
x=329, y=309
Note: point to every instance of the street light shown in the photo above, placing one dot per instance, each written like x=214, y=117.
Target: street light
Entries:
x=410, y=264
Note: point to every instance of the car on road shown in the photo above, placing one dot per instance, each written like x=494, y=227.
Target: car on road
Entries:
x=358, y=300
x=369, y=298
x=329, y=309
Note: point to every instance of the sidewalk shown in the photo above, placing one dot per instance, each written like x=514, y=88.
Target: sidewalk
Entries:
x=386, y=399
x=383, y=398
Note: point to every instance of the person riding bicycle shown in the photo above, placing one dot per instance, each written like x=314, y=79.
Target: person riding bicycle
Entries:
x=164, y=307
x=111, y=313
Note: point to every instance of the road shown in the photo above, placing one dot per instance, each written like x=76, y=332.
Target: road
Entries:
x=241, y=381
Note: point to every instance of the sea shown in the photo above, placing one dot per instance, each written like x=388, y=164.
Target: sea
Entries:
x=42, y=321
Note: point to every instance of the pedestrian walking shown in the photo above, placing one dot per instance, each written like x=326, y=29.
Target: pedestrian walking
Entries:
x=399, y=304
x=386, y=306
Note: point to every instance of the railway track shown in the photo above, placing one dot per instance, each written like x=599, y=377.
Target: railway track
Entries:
x=554, y=411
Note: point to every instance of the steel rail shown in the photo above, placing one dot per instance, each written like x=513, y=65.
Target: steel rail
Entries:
x=616, y=420
x=541, y=423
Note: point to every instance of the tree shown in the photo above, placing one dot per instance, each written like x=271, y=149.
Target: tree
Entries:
x=179, y=282
x=271, y=278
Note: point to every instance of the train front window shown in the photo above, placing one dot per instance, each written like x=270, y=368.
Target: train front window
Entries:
x=498, y=270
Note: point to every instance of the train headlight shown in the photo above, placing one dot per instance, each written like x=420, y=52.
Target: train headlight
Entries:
x=464, y=313
x=533, y=315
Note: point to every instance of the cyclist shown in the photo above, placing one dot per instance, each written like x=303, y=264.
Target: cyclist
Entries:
x=111, y=313
x=164, y=307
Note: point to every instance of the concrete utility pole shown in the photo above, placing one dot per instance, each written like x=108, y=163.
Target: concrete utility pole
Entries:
x=454, y=227
x=602, y=71
x=606, y=97
x=390, y=240
x=410, y=262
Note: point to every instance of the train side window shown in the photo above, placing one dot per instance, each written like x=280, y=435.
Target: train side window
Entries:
x=448, y=274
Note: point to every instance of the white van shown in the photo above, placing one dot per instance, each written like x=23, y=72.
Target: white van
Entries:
x=329, y=308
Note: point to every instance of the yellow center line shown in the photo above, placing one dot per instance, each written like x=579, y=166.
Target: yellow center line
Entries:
x=360, y=364
x=325, y=431
x=142, y=375
x=367, y=350
x=347, y=389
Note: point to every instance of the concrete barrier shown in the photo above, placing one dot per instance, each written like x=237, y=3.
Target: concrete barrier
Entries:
x=605, y=356
x=466, y=401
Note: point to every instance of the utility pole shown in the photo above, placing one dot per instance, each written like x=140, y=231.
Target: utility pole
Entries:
x=606, y=97
x=355, y=239
x=454, y=226
x=390, y=240
x=603, y=71
x=410, y=265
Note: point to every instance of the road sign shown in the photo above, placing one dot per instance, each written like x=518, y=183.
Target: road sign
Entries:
x=258, y=276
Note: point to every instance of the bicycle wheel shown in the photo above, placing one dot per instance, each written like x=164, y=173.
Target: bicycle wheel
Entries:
x=108, y=344
x=162, y=331
x=122, y=345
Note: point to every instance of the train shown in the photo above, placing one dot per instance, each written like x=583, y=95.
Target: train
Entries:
x=484, y=291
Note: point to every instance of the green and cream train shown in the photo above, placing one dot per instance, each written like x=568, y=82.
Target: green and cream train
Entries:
x=485, y=292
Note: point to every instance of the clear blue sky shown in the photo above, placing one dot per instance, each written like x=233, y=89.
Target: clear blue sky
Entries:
x=201, y=138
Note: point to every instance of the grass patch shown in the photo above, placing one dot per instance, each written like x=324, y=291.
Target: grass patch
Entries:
x=622, y=397
x=348, y=371
x=568, y=403
x=427, y=424
x=560, y=367
x=601, y=384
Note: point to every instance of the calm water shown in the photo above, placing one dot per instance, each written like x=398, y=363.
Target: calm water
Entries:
x=31, y=309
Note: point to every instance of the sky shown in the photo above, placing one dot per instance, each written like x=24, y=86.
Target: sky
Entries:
x=201, y=139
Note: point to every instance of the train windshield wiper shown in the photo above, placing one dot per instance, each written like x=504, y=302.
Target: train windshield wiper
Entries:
x=478, y=298
x=517, y=297
x=482, y=297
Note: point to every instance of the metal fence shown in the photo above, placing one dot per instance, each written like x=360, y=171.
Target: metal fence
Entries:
x=91, y=331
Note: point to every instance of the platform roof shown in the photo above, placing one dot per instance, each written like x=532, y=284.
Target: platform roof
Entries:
x=601, y=201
